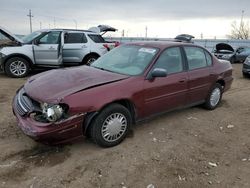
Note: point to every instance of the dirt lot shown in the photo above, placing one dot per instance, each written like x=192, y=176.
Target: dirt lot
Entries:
x=187, y=148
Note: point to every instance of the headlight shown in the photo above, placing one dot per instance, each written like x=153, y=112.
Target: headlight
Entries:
x=52, y=112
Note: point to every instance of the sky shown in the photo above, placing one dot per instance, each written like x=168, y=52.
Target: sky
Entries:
x=162, y=18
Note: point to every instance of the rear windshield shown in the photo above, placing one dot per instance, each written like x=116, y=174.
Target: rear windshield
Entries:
x=97, y=38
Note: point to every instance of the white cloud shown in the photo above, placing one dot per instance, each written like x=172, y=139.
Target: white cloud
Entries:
x=164, y=18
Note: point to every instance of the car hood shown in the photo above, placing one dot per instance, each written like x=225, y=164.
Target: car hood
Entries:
x=224, y=46
x=9, y=35
x=54, y=85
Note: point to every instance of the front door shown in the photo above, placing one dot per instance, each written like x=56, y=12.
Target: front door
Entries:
x=48, y=49
x=170, y=92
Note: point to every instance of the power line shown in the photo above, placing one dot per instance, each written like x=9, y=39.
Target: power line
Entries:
x=30, y=16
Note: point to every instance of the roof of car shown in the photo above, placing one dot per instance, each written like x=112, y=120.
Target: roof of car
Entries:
x=60, y=29
x=160, y=44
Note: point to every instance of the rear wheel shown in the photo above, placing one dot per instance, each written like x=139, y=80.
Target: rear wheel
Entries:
x=214, y=97
x=111, y=126
x=17, y=67
x=90, y=59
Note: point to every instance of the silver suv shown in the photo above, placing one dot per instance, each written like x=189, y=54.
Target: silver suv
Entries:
x=49, y=48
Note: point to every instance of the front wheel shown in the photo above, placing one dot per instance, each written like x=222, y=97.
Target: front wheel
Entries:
x=214, y=97
x=17, y=67
x=111, y=126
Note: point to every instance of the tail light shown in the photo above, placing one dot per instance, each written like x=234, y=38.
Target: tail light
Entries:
x=117, y=43
x=106, y=46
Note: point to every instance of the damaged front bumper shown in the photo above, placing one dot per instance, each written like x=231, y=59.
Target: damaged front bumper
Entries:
x=58, y=132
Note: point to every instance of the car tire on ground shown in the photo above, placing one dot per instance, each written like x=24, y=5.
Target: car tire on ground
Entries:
x=17, y=67
x=233, y=60
x=90, y=59
x=111, y=125
x=214, y=97
x=245, y=75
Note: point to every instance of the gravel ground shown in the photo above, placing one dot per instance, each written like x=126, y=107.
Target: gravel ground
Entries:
x=186, y=148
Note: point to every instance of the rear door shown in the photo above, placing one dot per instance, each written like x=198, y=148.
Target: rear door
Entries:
x=48, y=49
x=166, y=93
x=199, y=74
x=75, y=47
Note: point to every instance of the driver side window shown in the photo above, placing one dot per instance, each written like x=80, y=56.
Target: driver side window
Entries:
x=170, y=60
x=50, y=38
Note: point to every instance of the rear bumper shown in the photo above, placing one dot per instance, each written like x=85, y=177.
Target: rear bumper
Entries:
x=51, y=133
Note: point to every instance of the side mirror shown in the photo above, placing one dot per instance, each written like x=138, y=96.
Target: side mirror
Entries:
x=36, y=42
x=157, y=72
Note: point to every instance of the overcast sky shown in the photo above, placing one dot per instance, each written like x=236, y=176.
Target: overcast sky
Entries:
x=163, y=18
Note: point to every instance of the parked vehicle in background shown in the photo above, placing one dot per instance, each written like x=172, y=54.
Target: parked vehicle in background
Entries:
x=223, y=51
x=131, y=83
x=240, y=55
x=226, y=52
x=50, y=48
x=246, y=67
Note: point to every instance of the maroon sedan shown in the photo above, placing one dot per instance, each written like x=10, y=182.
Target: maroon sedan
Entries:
x=130, y=83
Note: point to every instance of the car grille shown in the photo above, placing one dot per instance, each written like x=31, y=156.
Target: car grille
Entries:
x=23, y=103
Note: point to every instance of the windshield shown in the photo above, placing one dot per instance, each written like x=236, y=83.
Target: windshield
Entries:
x=30, y=37
x=127, y=59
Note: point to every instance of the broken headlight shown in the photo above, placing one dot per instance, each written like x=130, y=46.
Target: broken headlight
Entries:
x=52, y=113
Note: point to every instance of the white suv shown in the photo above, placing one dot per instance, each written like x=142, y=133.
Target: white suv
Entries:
x=50, y=48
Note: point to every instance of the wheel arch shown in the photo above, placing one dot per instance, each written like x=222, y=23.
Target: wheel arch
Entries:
x=124, y=102
x=20, y=56
x=221, y=82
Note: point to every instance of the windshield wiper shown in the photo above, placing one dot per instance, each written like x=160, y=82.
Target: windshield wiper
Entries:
x=103, y=69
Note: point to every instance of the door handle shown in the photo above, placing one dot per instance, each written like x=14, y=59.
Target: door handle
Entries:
x=84, y=46
x=51, y=48
x=182, y=80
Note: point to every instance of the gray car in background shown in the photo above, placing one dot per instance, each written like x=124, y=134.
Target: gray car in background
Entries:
x=50, y=48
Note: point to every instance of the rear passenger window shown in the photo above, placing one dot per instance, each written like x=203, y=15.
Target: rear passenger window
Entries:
x=97, y=38
x=170, y=60
x=209, y=58
x=196, y=57
x=71, y=38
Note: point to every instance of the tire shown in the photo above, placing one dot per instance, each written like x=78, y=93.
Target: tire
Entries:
x=245, y=75
x=17, y=67
x=90, y=59
x=233, y=60
x=214, y=97
x=111, y=125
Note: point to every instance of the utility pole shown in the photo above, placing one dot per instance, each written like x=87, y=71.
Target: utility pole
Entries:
x=146, y=32
x=40, y=25
x=54, y=22
x=75, y=23
x=242, y=14
x=30, y=16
